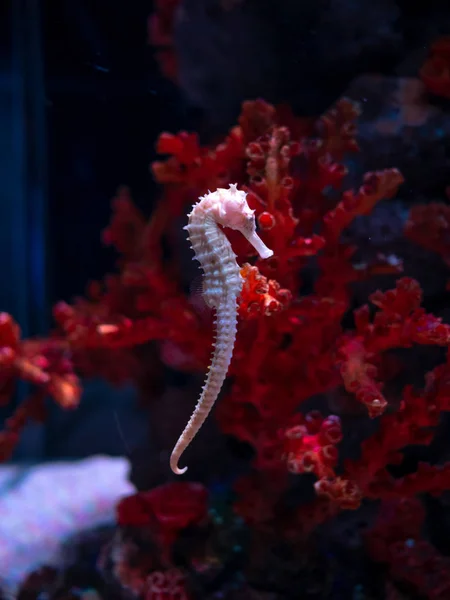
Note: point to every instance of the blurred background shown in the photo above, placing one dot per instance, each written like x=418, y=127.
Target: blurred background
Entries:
x=86, y=89
x=81, y=104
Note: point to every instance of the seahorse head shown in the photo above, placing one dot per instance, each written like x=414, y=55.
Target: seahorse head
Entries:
x=232, y=210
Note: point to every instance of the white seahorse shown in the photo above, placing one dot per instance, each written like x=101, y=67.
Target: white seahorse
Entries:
x=222, y=285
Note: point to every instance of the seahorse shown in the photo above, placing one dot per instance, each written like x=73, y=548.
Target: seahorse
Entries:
x=222, y=285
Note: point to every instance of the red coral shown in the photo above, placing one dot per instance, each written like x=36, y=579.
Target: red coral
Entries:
x=342, y=493
x=261, y=296
x=376, y=186
x=283, y=357
x=310, y=445
x=174, y=506
x=165, y=510
x=360, y=376
x=286, y=180
x=400, y=323
x=42, y=363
